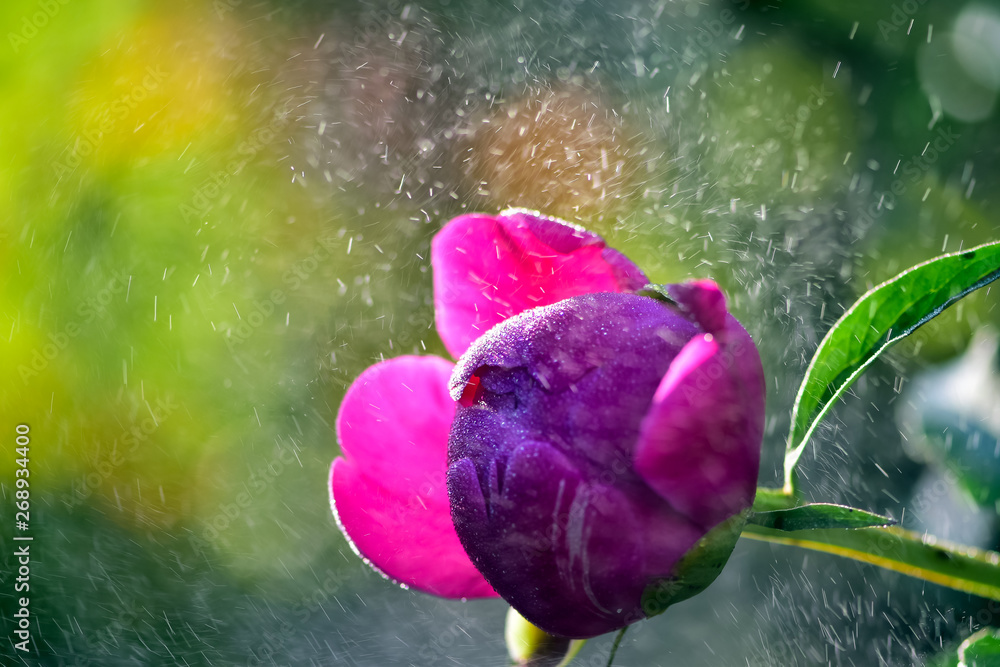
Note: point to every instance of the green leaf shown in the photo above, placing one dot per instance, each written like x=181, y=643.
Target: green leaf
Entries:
x=697, y=569
x=818, y=516
x=981, y=649
x=944, y=659
x=884, y=315
x=960, y=567
x=658, y=292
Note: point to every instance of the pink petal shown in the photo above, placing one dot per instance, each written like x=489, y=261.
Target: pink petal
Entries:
x=487, y=269
x=703, y=301
x=699, y=445
x=388, y=490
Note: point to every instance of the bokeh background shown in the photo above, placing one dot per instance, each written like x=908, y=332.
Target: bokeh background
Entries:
x=215, y=213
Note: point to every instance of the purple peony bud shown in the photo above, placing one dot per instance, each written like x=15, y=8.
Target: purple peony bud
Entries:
x=591, y=459
x=597, y=441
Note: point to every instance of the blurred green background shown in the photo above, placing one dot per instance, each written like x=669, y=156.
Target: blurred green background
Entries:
x=215, y=214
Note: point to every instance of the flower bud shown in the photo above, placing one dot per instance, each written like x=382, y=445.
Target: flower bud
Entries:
x=604, y=454
x=590, y=459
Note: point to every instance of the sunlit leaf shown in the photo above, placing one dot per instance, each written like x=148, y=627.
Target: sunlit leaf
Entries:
x=884, y=315
x=981, y=649
x=818, y=516
x=963, y=568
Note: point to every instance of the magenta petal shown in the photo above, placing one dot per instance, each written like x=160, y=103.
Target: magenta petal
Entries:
x=699, y=445
x=487, y=269
x=388, y=490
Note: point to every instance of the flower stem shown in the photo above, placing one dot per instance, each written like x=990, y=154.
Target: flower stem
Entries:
x=614, y=647
x=925, y=557
x=768, y=499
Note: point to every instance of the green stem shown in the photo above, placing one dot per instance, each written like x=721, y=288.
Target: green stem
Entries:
x=768, y=500
x=614, y=647
x=791, y=487
x=925, y=557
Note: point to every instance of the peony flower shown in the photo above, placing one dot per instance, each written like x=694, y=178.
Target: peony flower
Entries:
x=592, y=456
